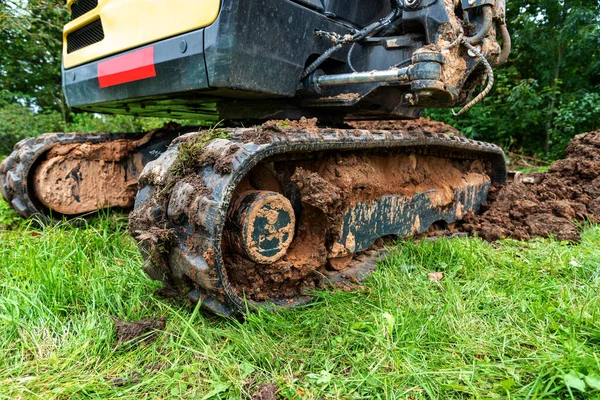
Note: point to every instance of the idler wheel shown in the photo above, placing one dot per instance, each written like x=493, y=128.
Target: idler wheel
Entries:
x=262, y=226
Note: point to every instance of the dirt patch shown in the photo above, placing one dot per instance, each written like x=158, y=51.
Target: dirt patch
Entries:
x=264, y=134
x=224, y=163
x=424, y=125
x=266, y=391
x=546, y=204
x=317, y=191
x=146, y=330
x=115, y=150
x=344, y=96
x=259, y=136
x=82, y=177
x=355, y=178
x=302, y=123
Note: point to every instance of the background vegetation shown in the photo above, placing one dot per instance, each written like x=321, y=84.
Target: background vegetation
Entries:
x=548, y=92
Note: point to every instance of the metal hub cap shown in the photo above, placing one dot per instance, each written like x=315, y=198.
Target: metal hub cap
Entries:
x=265, y=222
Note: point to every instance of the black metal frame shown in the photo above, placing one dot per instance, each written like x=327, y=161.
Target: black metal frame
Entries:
x=248, y=65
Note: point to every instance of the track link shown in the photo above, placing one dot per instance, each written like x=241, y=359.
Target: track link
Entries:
x=17, y=170
x=186, y=220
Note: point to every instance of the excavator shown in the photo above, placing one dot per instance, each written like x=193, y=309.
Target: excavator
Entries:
x=292, y=190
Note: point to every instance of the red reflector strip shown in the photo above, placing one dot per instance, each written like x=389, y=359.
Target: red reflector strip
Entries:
x=130, y=67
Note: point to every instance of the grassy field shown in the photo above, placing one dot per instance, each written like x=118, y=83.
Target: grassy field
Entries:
x=509, y=320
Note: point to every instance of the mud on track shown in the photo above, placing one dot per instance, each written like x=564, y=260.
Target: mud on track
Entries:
x=329, y=186
x=546, y=204
x=418, y=125
x=84, y=177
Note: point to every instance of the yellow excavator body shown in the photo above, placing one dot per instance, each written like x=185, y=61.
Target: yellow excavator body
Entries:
x=127, y=24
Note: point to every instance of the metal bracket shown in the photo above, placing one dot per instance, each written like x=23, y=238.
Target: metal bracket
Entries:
x=469, y=4
x=417, y=4
x=500, y=10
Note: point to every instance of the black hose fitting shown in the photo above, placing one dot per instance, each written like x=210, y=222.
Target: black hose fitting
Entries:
x=488, y=19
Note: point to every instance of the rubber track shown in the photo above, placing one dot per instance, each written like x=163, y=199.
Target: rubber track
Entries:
x=178, y=264
x=15, y=169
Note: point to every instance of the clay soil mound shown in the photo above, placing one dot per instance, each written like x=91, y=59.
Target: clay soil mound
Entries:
x=555, y=203
x=420, y=125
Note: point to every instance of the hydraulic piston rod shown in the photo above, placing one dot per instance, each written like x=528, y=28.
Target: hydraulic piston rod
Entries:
x=393, y=75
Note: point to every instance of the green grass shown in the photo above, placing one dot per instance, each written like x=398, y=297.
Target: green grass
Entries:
x=533, y=170
x=509, y=320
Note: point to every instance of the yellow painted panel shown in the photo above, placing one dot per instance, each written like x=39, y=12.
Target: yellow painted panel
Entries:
x=131, y=23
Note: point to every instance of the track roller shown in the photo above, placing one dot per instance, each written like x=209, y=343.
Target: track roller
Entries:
x=262, y=226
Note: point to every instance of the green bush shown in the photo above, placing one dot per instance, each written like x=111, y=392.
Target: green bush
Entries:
x=576, y=114
x=18, y=122
x=516, y=116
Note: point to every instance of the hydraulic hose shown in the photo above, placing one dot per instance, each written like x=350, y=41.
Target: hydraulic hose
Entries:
x=490, y=79
x=312, y=67
x=363, y=33
x=488, y=19
x=506, y=42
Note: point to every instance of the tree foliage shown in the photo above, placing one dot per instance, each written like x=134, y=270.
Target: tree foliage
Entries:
x=547, y=92
x=30, y=52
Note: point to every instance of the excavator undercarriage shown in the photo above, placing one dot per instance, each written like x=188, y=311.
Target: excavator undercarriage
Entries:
x=237, y=218
x=274, y=213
